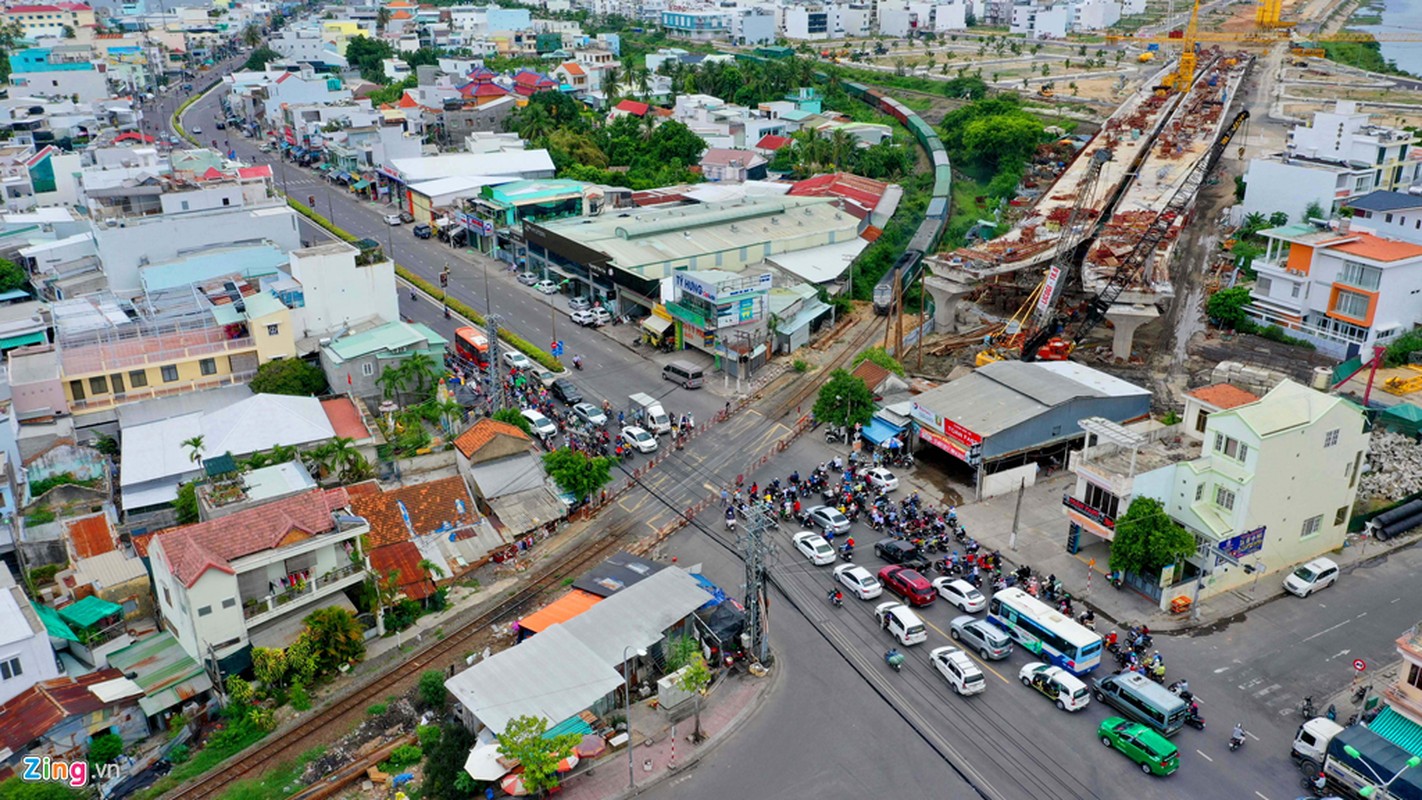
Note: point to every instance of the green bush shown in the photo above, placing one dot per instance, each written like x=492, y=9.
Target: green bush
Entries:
x=405, y=755
x=40, y=576
x=428, y=735
x=1276, y=334
x=303, y=210
x=105, y=748
x=178, y=754
x=39, y=516
x=376, y=709
x=299, y=698
x=1402, y=348
x=800, y=365
x=881, y=357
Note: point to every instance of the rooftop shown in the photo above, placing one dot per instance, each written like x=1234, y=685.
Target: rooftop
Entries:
x=1384, y=201
x=164, y=671
x=392, y=337
x=420, y=509
x=1376, y=248
x=482, y=433
x=509, y=162
x=1223, y=396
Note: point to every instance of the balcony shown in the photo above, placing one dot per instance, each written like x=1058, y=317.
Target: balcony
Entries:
x=143, y=351
x=255, y=611
x=166, y=390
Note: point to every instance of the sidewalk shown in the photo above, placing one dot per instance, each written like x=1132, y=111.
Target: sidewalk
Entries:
x=1042, y=539
x=730, y=705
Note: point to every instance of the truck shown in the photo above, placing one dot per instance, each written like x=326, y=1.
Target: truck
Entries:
x=654, y=417
x=1321, y=746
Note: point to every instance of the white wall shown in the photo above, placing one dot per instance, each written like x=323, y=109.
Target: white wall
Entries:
x=950, y=17
x=20, y=641
x=338, y=292
x=894, y=22
x=1008, y=480
x=1271, y=185
x=205, y=199
x=90, y=85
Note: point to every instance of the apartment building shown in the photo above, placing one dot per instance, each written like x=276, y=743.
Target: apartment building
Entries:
x=50, y=19
x=697, y=25
x=247, y=579
x=67, y=71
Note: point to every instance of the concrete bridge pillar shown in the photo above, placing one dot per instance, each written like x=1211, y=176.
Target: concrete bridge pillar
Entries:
x=1126, y=319
x=946, y=292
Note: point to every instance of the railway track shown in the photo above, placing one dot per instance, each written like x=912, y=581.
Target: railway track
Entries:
x=809, y=387
x=346, y=711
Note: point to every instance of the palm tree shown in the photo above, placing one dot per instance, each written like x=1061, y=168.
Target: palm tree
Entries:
x=319, y=460
x=393, y=380
x=611, y=74
x=1253, y=222
x=644, y=82
x=433, y=570
x=195, y=445
x=533, y=122
x=381, y=18
x=252, y=36
x=841, y=145
x=422, y=369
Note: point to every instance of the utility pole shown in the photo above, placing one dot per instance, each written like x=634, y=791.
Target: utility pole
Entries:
x=1017, y=514
x=922, y=309
x=756, y=548
x=496, y=385
x=444, y=289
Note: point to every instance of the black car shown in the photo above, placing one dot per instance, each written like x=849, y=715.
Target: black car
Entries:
x=564, y=390
x=897, y=551
x=421, y=231
x=220, y=125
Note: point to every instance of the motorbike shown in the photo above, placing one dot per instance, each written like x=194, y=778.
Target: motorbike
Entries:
x=836, y=598
x=894, y=658
x=847, y=552
x=731, y=521
x=1307, y=710
x=1194, y=720
x=1236, y=740
x=1114, y=579
x=834, y=435
x=577, y=362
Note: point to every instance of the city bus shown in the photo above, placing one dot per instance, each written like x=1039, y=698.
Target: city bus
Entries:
x=1051, y=635
x=471, y=344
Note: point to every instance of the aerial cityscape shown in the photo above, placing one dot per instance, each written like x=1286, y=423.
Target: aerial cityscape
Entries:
x=1001, y=399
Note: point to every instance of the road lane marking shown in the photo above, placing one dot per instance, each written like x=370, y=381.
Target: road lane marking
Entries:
x=1262, y=795
x=1251, y=735
x=1327, y=630
x=1202, y=755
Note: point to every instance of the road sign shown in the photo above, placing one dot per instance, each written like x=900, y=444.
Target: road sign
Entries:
x=1359, y=664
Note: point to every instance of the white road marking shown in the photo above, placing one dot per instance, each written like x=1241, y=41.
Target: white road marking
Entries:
x=1202, y=755
x=1273, y=687
x=1394, y=600
x=1329, y=629
x=1221, y=669
x=1251, y=735
x=1262, y=795
x=1360, y=616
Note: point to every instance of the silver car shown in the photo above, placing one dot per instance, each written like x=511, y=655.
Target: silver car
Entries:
x=579, y=304
x=590, y=414
x=982, y=636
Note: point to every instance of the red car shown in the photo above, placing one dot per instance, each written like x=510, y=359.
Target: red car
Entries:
x=907, y=583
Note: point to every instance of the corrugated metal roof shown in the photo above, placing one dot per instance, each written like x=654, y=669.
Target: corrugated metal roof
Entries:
x=1383, y=200
x=563, y=609
x=1399, y=730
x=637, y=616
x=164, y=671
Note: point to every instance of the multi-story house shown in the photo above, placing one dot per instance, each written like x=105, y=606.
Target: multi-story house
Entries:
x=234, y=582
x=66, y=71
x=807, y=22
x=26, y=657
x=697, y=25
x=1240, y=491
x=1404, y=696
x=1340, y=156
x=1344, y=288
x=50, y=19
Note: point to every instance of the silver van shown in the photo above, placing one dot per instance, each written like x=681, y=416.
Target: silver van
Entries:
x=689, y=376
x=1143, y=700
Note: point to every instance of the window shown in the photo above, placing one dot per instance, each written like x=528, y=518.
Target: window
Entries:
x=1330, y=438
x=11, y=668
x=1340, y=516
x=273, y=329
x=1361, y=275
x=1101, y=500
x=1353, y=474
x=185, y=205
x=1224, y=498
x=1351, y=304
x=1231, y=447
x=1263, y=285
x=1199, y=492
x=367, y=369
x=229, y=602
x=208, y=366
x=1311, y=526
x=170, y=373
x=137, y=378
x=167, y=598
x=1200, y=420
x=204, y=610
x=1414, y=676
x=76, y=388
x=99, y=385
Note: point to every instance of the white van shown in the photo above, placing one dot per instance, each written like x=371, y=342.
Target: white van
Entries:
x=542, y=426
x=1059, y=686
x=901, y=623
x=688, y=376
x=1319, y=573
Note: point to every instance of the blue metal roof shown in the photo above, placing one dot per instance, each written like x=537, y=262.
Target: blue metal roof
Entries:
x=250, y=261
x=1383, y=200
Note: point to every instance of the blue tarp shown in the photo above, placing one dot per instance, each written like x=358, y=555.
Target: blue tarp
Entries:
x=717, y=595
x=878, y=432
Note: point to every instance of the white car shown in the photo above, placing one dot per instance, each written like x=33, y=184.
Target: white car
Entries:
x=600, y=316
x=583, y=318
x=1060, y=686
x=392, y=219
x=527, y=278
x=881, y=478
x=517, y=360
x=961, y=594
x=590, y=414
x=961, y=673
x=814, y=547
x=546, y=286
x=196, y=131
x=859, y=581
x=639, y=439
x=544, y=376
x=541, y=425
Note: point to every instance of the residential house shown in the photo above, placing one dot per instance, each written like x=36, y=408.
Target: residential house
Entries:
x=1202, y=402
x=728, y=164
x=527, y=83
x=56, y=719
x=572, y=74
x=1400, y=721
x=354, y=362
x=247, y=579
x=169, y=678
x=340, y=284
x=501, y=467
x=49, y=19
x=26, y=657
x=88, y=629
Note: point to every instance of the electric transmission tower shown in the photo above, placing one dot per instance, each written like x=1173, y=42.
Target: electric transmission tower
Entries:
x=756, y=548
x=495, y=380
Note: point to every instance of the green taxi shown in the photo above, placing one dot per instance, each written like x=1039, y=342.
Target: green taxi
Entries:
x=1153, y=752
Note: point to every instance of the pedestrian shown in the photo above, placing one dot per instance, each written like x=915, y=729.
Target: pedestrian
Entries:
x=725, y=498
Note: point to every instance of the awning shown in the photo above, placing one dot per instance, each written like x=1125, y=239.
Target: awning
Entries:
x=360, y=184
x=878, y=431
x=521, y=512
x=23, y=339
x=657, y=325
x=342, y=176
x=89, y=612
x=1398, y=729
x=563, y=609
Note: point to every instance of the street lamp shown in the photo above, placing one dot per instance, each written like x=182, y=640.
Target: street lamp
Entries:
x=1369, y=791
x=627, y=677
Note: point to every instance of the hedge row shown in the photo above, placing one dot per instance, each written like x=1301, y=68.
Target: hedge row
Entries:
x=518, y=342
x=178, y=117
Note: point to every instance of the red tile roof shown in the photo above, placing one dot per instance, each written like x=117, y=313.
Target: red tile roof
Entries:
x=345, y=418
x=212, y=174
x=403, y=557
x=632, y=107
x=563, y=609
x=1224, y=396
x=33, y=712
x=431, y=507
x=194, y=549
x=863, y=193
x=406, y=101
x=134, y=136
x=1377, y=248
x=772, y=142
x=872, y=374
x=91, y=536
x=141, y=542
x=573, y=68
x=264, y=171
x=483, y=432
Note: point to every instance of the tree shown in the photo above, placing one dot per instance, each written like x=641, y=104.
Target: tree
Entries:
x=686, y=654
x=336, y=638
x=105, y=748
x=1314, y=210
x=880, y=356
x=444, y=775
x=1226, y=308
x=512, y=417
x=1148, y=540
x=1278, y=219
x=251, y=36
x=432, y=692
x=577, y=473
x=186, y=504
x=12, y=276
x=270, y=667
x=523, y=740
x=844, y=400
x=289, y=376
x=366, y=55
x=258, y=59
x=11, y=34
x=393, y=380
x=382, y=18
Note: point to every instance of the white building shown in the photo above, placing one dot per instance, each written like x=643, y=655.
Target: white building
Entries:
x=697, y=25
x=1037, y=21
x=753, y=26
x=1094, y=15
x=1346, y=288
x=339, y=287
x=1340, y=156
x=306, y=46
x=247, y=579
x=807, y=22
x=1240, y=492
x=25, y=655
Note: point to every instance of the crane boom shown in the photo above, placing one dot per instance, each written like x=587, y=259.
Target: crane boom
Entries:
x=1135, y=261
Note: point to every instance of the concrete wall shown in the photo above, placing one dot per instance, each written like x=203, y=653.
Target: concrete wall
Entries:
x=337, y=292
x=1060, y=424
x=1007, y=481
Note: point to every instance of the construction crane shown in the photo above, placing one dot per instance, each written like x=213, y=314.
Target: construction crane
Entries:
x=1184, y=74
x=1265, y=37
x=1041, y=304
x=1135, y=262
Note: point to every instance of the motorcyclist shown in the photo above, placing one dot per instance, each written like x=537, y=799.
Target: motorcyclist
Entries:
x=836, y=596
x=1238, y=733
x=577, y=362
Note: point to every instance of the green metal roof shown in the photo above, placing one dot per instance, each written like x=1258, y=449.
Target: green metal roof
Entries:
x=570, y=725
x=1399, y=730
x=89, y=611
x=54, y=624
x=165, y=672
x=389, y=337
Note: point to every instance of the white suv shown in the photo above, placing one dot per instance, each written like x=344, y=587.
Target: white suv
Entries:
x=959, y=670
x=901, y=623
